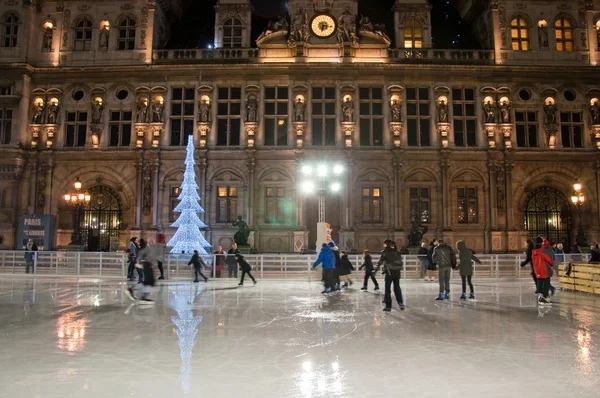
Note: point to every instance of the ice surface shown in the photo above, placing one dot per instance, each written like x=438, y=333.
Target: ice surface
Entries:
x=84, y=338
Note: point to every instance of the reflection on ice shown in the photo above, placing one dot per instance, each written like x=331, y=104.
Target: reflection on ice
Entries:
x=325, y=379
x=70, y=330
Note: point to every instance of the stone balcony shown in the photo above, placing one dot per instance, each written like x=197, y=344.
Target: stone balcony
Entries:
x=475, y=57
x=199, y=55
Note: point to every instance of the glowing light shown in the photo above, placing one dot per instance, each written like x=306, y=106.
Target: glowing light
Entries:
x=308, y=186
x=336, y=186
x=338, y=169
x=307, y=366
x=306, y=169
x=322, y=170
x=335, y=366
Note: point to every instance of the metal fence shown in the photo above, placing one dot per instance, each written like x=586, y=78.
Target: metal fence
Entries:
x=264, y=266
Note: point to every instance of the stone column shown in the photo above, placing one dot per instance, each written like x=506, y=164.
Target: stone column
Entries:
x=444, y=165
x=491, y=193
x=23, y=119
x=139, y=166
x=398, y=189
x=49, y=189
x=598, y=189
x=508, y=166
x=202, y=162
x=250, y=163
x=32, y=183
x=155, y=191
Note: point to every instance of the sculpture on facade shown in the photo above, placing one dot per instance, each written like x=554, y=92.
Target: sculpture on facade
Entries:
x=505, y=112
x=396, y=109
x=347, y=29
x=416, y=233
x=157, y=112
x=325, y=5
x=299, y=30
x=53, y=112
x=549, y=114
x=98, y=109
x=490, y=112
x=141, y=113
x=442, y=109
x=252, y=109
x=595, y=112
x=280, y=25
x=366, y=24
x=38, y=113
x=348, y=110
x=299, y=110
x=243, y=233
x=47, y=40
x=104, y=34
x=204, y=111
x=543, y=37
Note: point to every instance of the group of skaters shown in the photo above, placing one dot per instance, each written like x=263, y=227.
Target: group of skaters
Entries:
x=144, y=255
x=337, y=269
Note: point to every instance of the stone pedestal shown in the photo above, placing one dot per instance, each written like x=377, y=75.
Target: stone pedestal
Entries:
x=396, y=129
x=499, y=241
x=444, y=132
x=251, y=129
x=507, y=135
x=348, y=132
x=299, y=128
x=596, y=135
x=490, y=133
x=203, y=131
x=300, y=241
x=347, y=240
x=516, y=241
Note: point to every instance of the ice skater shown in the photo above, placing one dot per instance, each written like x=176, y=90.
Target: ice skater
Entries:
x=392, y=263
x=431, y=267
x=338, y=266
x=30, y=248
x=422, y=257
x=542, y=266
x=245, y=267
x=160, y=248
x=327, y=260
x=346, y=269
x=232, y=267
x=528, y=253
x=466, y=258
x=198, y=263
x=369, y=271
x=145, y=260
x=132, y=249
x=445, y=258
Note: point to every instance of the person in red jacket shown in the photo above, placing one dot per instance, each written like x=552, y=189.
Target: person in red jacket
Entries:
x=542, y=266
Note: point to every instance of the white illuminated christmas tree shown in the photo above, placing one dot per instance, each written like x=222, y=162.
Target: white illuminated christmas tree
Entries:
x=188, y=236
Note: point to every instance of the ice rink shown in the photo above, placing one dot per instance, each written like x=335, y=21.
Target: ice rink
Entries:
x=62, y=337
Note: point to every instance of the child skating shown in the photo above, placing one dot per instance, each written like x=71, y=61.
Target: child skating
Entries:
x=245, y=268
x=346, y=269
x=327, y=260
x=198, y=265
x=369, y=271
x=466, y=258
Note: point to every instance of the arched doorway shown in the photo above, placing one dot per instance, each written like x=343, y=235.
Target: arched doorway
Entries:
x=101, y=221
x=548, y=213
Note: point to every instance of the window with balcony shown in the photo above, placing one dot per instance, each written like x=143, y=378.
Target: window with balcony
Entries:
x=323, y=116
x=10, y=30
x=372, y=205
x=371, y=116
x=466, y=199
x=83, y=35
x=229, y=100
x=182, y=115
x=519, y=33
x=418, y=117
x=126, y=39
x=563, y=28
x=527, y=129
x=232, y=33
x=120, y=128
x=276, y=116
x=420, y=205
x=571, y=129
x=227, y=201
x=76, y=129
x=413, y=33
x=465, y=119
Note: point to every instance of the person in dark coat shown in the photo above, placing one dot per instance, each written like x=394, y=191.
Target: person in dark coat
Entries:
x=530, y=247
x=338, y=266
x=327, y=260
x=392, y=263
x=422, y=257
x=430, y=263
x=466, y=258
x=369, y=271
x=595, y=253
x=346, y=269
x=445, y=258
x=232, y=266
x=30, y=248
x=146, y=258
x=198, y=265
x=219, y=261
x=245, y=267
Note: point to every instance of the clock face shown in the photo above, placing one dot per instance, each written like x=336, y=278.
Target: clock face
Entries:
x=323, y=25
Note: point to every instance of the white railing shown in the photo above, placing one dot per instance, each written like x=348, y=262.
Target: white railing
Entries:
x=264, y=266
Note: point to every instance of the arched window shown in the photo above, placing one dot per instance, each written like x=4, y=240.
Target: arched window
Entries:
x=232, y=33
x=10, y=30
x=101, y=221
x=548, y=214
x=126, y=34
x=564, y=34
x=413, y=33
x=519, y=33
x=83, y=35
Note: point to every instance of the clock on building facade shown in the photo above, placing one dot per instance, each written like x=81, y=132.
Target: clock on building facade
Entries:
x=323, y=25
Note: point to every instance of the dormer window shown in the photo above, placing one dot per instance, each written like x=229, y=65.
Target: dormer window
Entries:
x=83, y=35
x=519, y=33
x=232, y=33
x=413, y=33
x=564, y=34
x=126, y=34
x=10, y=30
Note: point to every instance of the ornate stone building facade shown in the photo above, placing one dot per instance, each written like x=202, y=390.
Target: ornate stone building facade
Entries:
x=481, y=145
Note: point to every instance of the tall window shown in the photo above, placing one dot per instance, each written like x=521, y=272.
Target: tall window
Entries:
x=3, y=199
x=372, y=206
x=519, y=33
x=467, y=205
x=182, y=115
x=5, y=125
x=83, y=35
x=76, y=127
x=571, y=128
x=419, y=205
x=173, y=202
x=371, y=116
x=276, y=116
x=120, y=128
x=10, y=31
x=323, y=116
x=527, y=129
x=7, y=90
x=229, y=116
x=564, y=34
x=418, y=117
x=413, y=33
x=465, y=120
x=232, y=33
x=227, y=198
x=275, y=205
x=126, y=40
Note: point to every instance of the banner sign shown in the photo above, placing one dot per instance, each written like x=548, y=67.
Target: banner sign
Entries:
x=39, y=228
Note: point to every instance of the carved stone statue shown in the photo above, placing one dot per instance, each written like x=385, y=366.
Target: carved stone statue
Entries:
x=141, y=114
x=280, y=25
x=366, y=24
x=204, y=111
x=243, y=233
x=299, y=110
x=157, y=112
x=98, y=109
x=38, y=113
x=396, y=109
x=543, y=37
x=549, y=114
x=416, y=233
x=104, y=34
x=505, y=112
x=595, y=113
x=299, y=30
x=52, y=113
x=47, y=40
x=442, y=108
x=348, y=110
x=252, y=109
x=490, y=112
x=347, y=29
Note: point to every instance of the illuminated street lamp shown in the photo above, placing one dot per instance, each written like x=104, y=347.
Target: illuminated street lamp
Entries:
x=77, y=199
x=578, y=199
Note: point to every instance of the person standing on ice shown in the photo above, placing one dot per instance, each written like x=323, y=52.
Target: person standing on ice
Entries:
x=198, y=265
x=445, y=258
x=245, y=267
x=391, y=259
x=466, y=258
x=232, y=267
x=542, y=266
x=327, y=260
x=160, y=249
x=346, y=269
x=369, y=271
x=145, y=260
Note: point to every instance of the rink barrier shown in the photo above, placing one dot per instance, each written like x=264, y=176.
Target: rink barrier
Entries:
x=264, y=266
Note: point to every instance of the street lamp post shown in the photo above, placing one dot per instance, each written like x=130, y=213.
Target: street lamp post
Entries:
x=77, y=199
x=320, y=178
x=578, y=198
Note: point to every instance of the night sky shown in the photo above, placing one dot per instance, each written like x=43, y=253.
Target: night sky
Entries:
x=196, y=30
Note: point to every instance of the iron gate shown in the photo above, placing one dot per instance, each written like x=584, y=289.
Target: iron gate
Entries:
x=101, y=221
x=548, y=214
